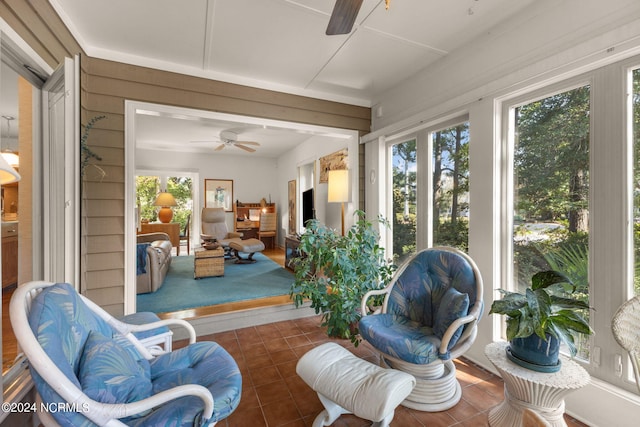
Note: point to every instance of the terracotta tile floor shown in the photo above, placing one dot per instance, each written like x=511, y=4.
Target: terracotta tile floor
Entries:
x=273, y=394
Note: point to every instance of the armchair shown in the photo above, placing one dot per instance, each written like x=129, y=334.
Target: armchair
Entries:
x=83, y=359
x=214, y=226
x=429, y=317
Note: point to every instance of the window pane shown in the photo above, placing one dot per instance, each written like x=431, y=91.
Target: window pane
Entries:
x=404, y=199
x=636, y=179
x=451, y=187
x=551, y=189
x=181, y=188
x=147, y=188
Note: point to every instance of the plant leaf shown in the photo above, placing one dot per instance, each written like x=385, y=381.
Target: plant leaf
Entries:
x=544, y=279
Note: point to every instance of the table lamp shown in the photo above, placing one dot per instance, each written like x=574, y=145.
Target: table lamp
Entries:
x=338, y=183
x=165, y=200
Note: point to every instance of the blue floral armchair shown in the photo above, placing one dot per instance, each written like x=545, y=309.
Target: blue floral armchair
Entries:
x=89, y=363
x=429, y=317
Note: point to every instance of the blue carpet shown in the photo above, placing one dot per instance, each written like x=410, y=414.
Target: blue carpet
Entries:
x=241, y=282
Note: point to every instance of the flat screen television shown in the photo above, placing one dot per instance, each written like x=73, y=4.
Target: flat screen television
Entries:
x=308, y=208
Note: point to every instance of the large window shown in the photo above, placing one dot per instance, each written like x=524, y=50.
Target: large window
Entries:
x=148, y=187
x=551, y=190
x=430, y=189
x=450, y=204
x=403, y=221
x=636, y=178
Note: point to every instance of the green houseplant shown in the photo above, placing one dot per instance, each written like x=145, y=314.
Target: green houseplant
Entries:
x=336, y=271
x=542, y=318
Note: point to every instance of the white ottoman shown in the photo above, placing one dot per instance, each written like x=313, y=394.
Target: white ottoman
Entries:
x=250, y=246
x=347, y=384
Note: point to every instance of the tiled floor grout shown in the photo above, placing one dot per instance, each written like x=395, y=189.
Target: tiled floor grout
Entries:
x=274, y=395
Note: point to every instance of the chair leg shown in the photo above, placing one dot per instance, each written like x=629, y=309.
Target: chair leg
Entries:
x=437, y=388
x=332, y=412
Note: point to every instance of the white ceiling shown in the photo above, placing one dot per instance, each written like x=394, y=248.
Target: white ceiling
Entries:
x=281, y=44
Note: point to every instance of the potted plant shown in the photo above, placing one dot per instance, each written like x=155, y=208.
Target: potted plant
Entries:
x=335, y=271
x=542, y=318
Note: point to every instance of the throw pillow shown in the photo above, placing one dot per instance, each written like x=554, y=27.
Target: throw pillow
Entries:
x=108, y=373
x=453, y=305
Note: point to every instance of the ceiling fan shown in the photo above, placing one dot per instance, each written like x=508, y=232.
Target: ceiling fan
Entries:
x=230, y=139
x=344, y=15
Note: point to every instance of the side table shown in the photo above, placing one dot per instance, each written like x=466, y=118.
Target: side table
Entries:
x=208, y=263
x=524, y=388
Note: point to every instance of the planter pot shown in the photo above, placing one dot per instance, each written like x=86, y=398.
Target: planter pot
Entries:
x=535, y=353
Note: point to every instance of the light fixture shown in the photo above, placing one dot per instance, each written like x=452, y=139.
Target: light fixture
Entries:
x=11, y=157
x=7, y=173
x=165, y=200
x=338, y=191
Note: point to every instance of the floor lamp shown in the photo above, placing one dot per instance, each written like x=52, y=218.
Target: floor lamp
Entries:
x=338, y=183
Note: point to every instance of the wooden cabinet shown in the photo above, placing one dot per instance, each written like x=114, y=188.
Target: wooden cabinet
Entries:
x=171, y=228
x=291, y=250
x=247, y=218
x=9, y=254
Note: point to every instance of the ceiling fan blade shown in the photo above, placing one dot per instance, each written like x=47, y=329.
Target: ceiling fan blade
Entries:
x=343, y=16
x=247, y=143
x=219, y=147
x=245, y=148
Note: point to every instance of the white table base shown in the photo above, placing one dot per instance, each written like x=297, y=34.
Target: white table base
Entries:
x=523, y=388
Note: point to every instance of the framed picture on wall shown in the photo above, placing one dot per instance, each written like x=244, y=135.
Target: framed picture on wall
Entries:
x=334, y=161
x=218, y=193
x=292, y=207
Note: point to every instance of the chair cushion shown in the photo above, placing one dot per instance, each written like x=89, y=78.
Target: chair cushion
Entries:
x=453, y=305
x=204, y=363
x=109, y=374
x=400, y=337
x=61, y=321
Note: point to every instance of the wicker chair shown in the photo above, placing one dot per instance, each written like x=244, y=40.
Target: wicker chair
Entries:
x=96, y=367
x=429, y=317
x=626, y=330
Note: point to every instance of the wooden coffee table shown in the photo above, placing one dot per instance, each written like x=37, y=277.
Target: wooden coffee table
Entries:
x=208, y=263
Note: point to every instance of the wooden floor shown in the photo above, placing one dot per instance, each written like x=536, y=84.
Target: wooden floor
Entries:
x=9, y=343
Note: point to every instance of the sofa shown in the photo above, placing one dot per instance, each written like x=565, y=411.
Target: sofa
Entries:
x=153, y=259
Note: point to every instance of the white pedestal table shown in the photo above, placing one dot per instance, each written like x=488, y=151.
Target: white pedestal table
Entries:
x=523, y=388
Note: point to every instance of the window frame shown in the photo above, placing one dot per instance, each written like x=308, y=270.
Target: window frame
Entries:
x=424, y=174
x=610, y=204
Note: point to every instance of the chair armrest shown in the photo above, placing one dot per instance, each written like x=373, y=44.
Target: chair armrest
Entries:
x=363, y=304
x=152, y=237
x=127, y=330
x=109, y=413
x=468, y=336
x=160, y=323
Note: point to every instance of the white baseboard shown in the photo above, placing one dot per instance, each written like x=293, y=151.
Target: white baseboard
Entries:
x=222, y=322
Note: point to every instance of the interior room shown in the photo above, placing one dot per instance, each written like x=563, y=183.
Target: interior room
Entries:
x=513, y=123
x=178, y=141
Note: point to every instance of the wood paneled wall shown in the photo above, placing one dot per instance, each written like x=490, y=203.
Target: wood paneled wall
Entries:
x=105, y=85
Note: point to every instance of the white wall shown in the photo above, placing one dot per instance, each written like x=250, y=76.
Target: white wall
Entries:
x=256, y=177
x=308, y=152
x=253, y=177
x=556, y=40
